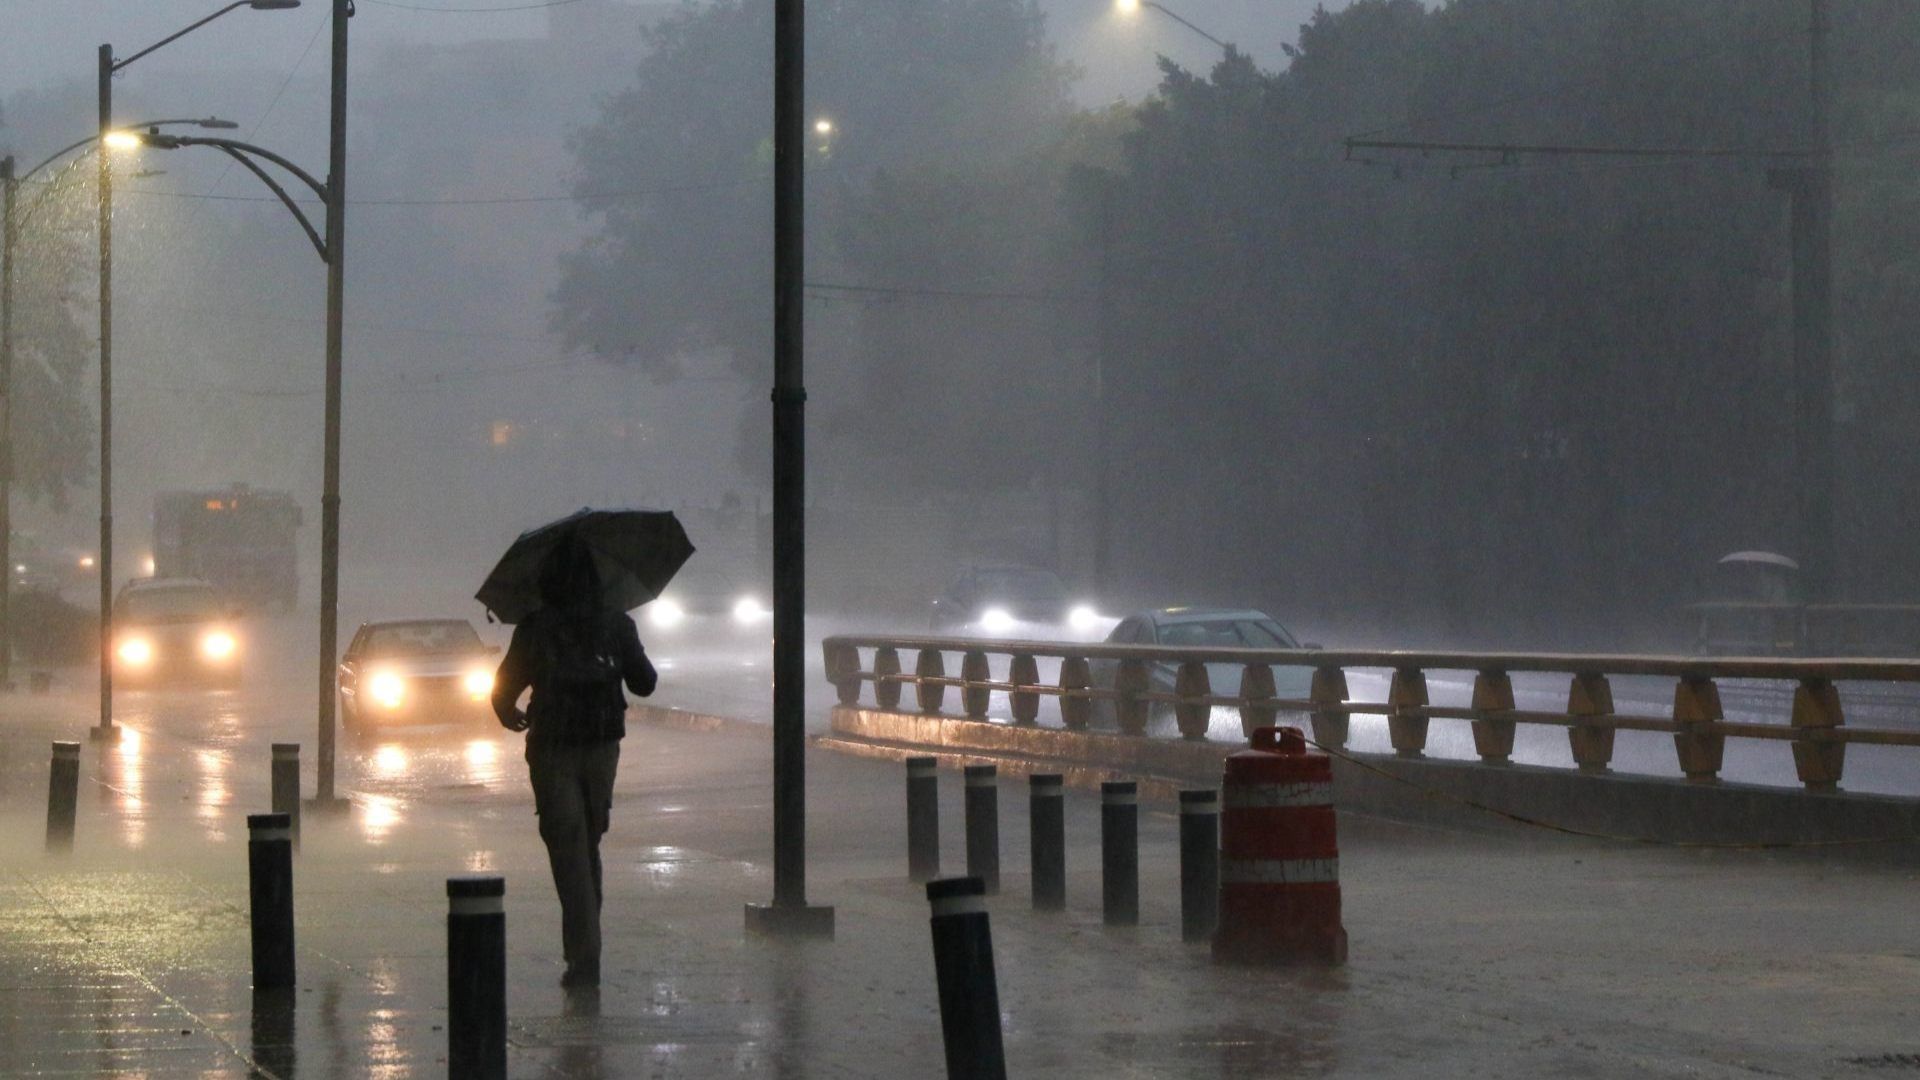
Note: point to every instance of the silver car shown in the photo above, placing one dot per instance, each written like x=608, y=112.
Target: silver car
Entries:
x=1213, y=628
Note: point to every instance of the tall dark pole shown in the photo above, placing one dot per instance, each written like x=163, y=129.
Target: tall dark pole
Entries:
x=330, y=469
x=1102, y=407
x=104, y=560
x=9, y=190
x=1813, y=329
x=789, y=913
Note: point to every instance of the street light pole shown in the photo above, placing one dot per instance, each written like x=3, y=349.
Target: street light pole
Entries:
x=106, y=732
x=330, y=454
x=107, y=67
x=789, y=914
x=1129, y=6
x=9, y=193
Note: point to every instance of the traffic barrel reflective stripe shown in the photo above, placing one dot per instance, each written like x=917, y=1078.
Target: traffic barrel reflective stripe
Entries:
x=1280, y=857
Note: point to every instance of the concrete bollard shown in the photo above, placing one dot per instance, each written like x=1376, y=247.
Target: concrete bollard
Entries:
x=477, y=977
x=1199, y=864
x=923, y=818
x=963, y=968
x=270, y=895
x=63, y=795
x=1047, y=820
x=1120, y=852
x=983, y=826
x=286, y=785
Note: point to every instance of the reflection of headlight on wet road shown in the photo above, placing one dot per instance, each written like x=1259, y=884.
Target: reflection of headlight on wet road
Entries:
x=665, y=614
x=387, y=689
x=479, y=682
x=996, y=620
x=137, y=652
x=218, y=645
x=390, y=760
x=747, y=611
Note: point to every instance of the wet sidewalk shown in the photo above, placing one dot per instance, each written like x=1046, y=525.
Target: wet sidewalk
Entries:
x=1481, y=955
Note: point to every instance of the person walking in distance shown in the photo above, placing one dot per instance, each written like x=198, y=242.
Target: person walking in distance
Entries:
x=574, y=653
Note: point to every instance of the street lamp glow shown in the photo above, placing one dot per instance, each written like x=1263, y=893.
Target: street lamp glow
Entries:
x=823, y=126
x=1127, y=7
x=122, y=140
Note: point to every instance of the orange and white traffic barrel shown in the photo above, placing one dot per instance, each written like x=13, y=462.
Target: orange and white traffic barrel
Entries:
x=1279, y=858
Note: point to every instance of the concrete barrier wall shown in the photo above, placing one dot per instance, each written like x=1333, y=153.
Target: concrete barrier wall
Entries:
x=1431, y=791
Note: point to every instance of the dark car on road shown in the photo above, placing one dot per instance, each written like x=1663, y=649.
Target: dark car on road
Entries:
x=418, y=671
x=1003, y=601
x=1212, y=628
x=173, y=631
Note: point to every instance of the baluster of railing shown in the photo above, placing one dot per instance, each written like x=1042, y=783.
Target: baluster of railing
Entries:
x=886, y=690
x=1075, y=674
x=1130, y=710
x=1025, y=704
x=1493, y=737
x=1194, y=718
x=1256, y=688
x=1329, y=688
x=843, y=670
x=931, y=692
x=1407, y=731
x=1696, y=702
x=1816, y=712
x=1590, y=695
x=975, y=694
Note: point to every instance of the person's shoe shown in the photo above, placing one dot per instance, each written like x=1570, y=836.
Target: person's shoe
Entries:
x=580, y=976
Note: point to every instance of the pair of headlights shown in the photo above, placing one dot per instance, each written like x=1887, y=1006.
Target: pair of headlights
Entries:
x=998, y=620
x=217, y=646
x=390, y=689
x=665, y=613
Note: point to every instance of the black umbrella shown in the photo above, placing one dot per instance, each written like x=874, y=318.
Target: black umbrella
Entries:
x=635, y=551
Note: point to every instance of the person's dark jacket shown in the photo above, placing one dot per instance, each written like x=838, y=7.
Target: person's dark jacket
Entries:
x=575, y=662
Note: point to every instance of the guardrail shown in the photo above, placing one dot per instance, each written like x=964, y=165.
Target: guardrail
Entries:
x=1783, y=629
x=1816, y=730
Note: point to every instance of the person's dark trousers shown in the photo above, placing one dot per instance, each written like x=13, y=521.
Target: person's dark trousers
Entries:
x=573, y=794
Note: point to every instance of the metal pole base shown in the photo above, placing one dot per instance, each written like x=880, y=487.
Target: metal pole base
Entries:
x=104, y=733
x=790, y=920
x=338, y=806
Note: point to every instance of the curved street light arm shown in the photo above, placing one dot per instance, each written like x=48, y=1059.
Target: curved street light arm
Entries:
x=203, y=121
x=118, y=64
x=286, y=200
x=1162, y=9
x=167, y=142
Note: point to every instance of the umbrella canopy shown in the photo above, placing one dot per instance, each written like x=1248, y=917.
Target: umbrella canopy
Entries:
x=635, y=552
x=1763, y=558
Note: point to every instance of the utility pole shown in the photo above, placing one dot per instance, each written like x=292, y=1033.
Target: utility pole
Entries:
x=789, y=915
x=103, y=562
x=336, y=253
x=9, y=192
x=1102, y=408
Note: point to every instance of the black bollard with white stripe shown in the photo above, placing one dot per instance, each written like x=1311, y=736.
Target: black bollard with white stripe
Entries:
x=1199, y=864
x=1047, y=821
x=286, y=785
x=477, y=977
x=963, y=968
x=63, y=795
x=923, y=818
x=270, y=895
x=983, y=826
x=1120, y=852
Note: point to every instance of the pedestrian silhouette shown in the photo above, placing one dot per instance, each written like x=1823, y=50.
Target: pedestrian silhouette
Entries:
x=574, y=653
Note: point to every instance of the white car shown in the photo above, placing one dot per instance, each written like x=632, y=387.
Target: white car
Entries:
x=1215, y=628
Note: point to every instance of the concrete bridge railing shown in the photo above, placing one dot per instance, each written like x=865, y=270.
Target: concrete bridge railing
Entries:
x=1817, y=733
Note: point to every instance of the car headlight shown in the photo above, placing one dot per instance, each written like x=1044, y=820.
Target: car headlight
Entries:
x=218, y=645
x=135, y=652
x=747, y=611
x=666, y=614
x=1083, y=617
x=996, y=620
x=387, y=689
x=479, y=682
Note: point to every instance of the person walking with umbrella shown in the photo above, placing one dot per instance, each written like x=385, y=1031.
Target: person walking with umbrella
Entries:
x=575, y=647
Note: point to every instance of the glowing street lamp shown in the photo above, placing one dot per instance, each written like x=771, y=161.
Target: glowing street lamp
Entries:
x=1134, y=7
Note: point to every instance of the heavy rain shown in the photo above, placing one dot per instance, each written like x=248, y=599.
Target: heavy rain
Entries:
x=1070, y=538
